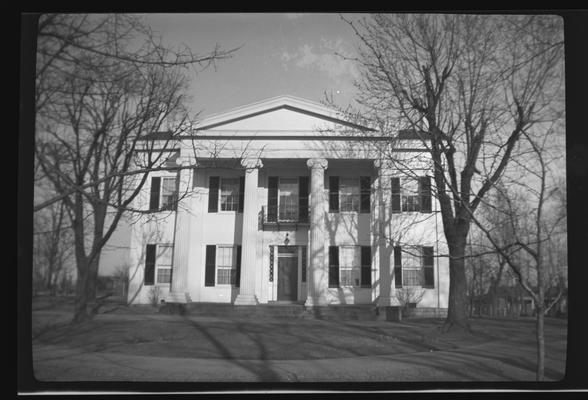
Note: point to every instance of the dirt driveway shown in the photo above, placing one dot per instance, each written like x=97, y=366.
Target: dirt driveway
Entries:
x=146, y=346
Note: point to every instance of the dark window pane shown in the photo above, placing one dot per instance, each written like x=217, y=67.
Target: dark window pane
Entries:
x=210, y=265
x=395, y=183
x=334, y=194
x=213, y=186
x=149, y=276
x=154, y=197
x=365, y=187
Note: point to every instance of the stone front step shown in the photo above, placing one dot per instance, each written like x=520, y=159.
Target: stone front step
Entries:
x=288, y=310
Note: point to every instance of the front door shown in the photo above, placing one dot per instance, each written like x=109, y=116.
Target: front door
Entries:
x=287, y=278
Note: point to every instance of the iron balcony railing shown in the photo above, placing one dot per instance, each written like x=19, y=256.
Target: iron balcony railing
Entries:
x=284, y=214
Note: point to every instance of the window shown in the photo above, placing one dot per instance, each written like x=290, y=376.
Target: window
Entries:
x=225, y=266
x=349, y=194
x=413, y=266
x=288, y=199
x=411, y=194
x=169, y=195
x=229, y=194
x=164, y=193
x=158, y=264
x=164, y=263
x=349, y=266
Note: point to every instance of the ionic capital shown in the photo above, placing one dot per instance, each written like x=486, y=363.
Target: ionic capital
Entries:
x=314, y=163
x=251, y=163
x=381, y=164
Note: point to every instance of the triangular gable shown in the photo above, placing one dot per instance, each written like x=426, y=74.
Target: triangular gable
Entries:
x=284, y=113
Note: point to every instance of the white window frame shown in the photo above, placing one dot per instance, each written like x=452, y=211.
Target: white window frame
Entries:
x=220, y=194
x=412, y=263
x=160, y=265
x=354, y=269
x=355, y=197
x=296, y=197
x=173, y=193
x=406, y=194
x=232, y=268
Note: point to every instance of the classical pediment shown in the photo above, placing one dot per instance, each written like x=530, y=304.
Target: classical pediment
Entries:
x=284, y=116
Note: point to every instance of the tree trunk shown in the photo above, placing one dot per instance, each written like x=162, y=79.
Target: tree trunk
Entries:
x=81, y=299
x=92, y=279
x=92, y=282
x=540, y=343
x=456, y=312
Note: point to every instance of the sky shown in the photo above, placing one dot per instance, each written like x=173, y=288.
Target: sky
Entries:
x=279, y=54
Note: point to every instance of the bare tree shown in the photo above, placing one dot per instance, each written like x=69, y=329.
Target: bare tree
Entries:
x=106, y=90
x=535, y=221
x=487, y=268
x=52, y=248
x=468, y=87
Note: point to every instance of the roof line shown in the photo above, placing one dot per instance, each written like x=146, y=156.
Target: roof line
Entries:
x=275, y=103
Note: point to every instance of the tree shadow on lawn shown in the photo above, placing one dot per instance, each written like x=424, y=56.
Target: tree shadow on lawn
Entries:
x=262, y=369
x=514, y=345
x=253, y=344
x=460, y=365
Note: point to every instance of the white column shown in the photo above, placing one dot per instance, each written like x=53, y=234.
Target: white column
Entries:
x=246, y=294
x=380, y=232
x=179, y=285
x=318, y=269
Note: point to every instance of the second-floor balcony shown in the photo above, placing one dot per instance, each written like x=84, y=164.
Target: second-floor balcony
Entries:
x=283, y=215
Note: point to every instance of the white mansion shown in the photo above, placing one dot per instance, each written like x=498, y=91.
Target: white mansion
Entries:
x=283, y=201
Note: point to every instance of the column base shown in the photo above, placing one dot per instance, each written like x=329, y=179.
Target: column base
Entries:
x=384, y=301
x=311, y=301
x=246, y=300
x=178, y=297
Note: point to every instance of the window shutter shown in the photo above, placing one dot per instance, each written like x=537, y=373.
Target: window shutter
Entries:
x=395, y=183
x=149, y=277
x=241, y=194
x=398, y=266
x=304, y=255
x=425, y=193
x=366, y=266
x=213, y=185
x=333, y=194
x=365, y=189
x=155, y=190
x=303, y=199
x=333, y=266
x=272, y=199
x=428, y=267
x=238, y=267
x=176, y=197
x=210, y=265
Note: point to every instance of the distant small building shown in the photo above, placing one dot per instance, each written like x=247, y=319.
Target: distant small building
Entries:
x=514, y=301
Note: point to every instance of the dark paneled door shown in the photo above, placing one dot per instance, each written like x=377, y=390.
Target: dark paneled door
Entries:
x=287, y=278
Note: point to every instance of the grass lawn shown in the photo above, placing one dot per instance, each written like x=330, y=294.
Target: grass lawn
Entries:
x=135, y=343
